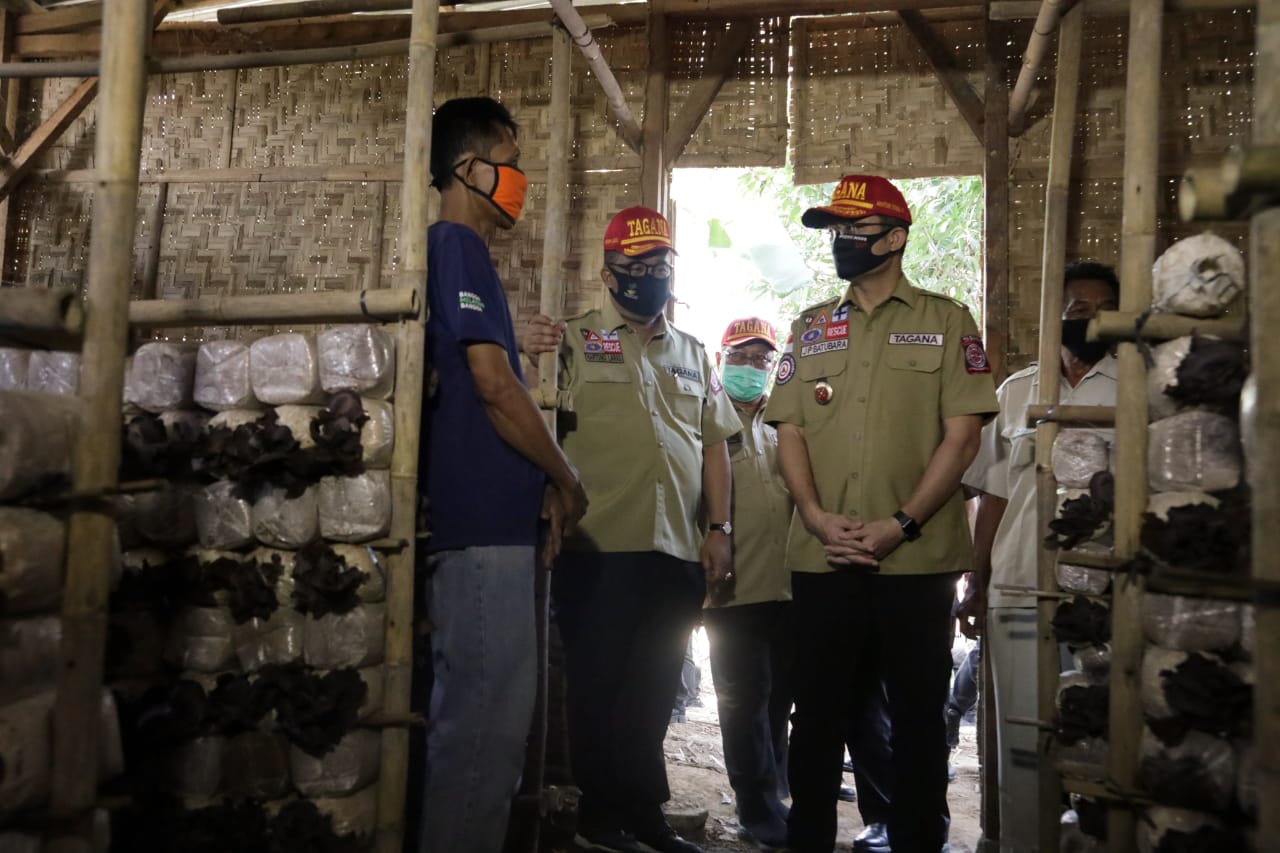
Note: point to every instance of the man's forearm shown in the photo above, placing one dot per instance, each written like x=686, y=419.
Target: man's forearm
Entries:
x=946, y=467
x=519, y=423
x=985, y=524
x=717, y=481
x=793, y=462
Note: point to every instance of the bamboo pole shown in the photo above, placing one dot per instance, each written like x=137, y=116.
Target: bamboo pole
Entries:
x=628, y=127
x=1137, y=252
x=410, y=378
x=293, y=308
x=373, y=278
x=97, y=455
x=1123, y=326
x=1051, y=12
x=1015, y=10
x=1066, y=87
x=1264, y=426
x=1097, y=416
x=995, y=187
x=8, y=126
x=56, y=312
x=306, y=9
x=155, y=219
x=654, y=168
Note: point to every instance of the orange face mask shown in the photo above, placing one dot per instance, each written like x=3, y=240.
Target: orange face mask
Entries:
x=509, y=188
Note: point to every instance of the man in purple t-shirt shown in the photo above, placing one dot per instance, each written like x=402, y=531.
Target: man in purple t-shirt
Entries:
x=492, y=469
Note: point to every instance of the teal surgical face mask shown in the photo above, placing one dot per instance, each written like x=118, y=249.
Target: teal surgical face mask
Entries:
x=744, y=382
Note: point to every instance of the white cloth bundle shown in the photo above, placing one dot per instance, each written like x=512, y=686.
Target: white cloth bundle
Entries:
x=14, y=365
x=357, y=358
x=200, y=639
x=262, y=642
x=349, y=767
x=356, y=639
x=32, y=548
x=233, y=418
x=1160, y=503
x=1193, y=450
x=1082, y=580
x=377, y=436
x=197, y=766
x=222, y=519
x=283, y=369
x=222, y=379
x=355, y=509
x=1207, y=767
x=369, y=563
x=1200, y=276
x=1163, y=375
x=54, y=372
x=160, y=376
x=28, y=655
x=298, y=419
x=256, y=766
x=167, y=516
x=283, y=522
x=1189, y=624
x=35, y=440
x=1078, y=454
x=356, y=815
x=1094, y=662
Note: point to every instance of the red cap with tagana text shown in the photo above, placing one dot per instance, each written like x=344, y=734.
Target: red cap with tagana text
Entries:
x=857, y=196
x=638, y=231
x=749, y=329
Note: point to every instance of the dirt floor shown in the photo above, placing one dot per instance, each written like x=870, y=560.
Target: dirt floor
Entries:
x=695, y=768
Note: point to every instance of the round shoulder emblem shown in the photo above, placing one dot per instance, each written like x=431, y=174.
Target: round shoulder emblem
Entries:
x=786, y=369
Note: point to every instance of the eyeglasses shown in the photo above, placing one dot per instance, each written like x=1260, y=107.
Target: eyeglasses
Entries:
x=636, y=269
x=837, y=230
x=762, y=361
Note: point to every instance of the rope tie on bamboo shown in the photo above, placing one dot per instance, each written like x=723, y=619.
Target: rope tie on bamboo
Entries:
x=364, y=309
x=1148, y=358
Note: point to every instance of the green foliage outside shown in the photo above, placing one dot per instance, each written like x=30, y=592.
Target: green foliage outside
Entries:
x=944, y=252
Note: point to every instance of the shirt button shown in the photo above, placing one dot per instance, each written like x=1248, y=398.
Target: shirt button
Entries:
x=854, y=475
x=655, y=413
x=862, y=399
x=912, y=362
x=866, y=364
x=660, y=444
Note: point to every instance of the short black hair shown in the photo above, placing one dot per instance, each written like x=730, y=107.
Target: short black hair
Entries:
x=465, y=125
x=1081, y=270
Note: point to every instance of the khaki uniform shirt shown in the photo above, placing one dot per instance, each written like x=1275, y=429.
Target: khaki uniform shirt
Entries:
x=640, y=417
x=1006, y=467
x=761, y=514
x=889, y=379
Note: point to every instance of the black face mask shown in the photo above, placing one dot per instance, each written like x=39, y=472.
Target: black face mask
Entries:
x=644, y=296
x=853, y=256
x=1073, y=338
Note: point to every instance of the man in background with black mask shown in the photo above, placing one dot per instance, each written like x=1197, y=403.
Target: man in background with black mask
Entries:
x=647, y=428
x=1006, y=540
x=880, y=400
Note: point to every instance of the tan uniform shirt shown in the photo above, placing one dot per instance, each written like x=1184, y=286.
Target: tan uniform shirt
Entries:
x=871, y=392
x=1006, y=467
x=761, y=514
x=641, y=416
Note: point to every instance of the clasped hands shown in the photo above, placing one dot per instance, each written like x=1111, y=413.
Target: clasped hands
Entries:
x=847, y=541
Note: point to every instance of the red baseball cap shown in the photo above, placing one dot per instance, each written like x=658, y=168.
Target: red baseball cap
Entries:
x=638, y=231
x=750, y=329
x=857, y=196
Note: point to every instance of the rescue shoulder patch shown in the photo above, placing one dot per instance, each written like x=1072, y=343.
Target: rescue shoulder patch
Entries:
x=975, y=357
x=786, y=369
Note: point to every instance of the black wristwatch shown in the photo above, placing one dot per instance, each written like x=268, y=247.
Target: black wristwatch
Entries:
x=910, y=527
x=724, y=527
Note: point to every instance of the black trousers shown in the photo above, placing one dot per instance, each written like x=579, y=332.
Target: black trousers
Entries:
x=869, y=742
x=854, y=624
x=750, y=656
x=625, y=619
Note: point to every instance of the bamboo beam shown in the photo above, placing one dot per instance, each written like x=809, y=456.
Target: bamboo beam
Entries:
x=1051, y=12
x=338, y=307
x=306, y=9
x=1016, y=10
x=39, y=317
x=97, y=452
x=995, y=188
x=23, y=7
x=714, y=74
x=1124, y=325
x=373, y=278
x=1096, y=416
x=1137, y=252
x=628, y=127
x=654, y=165
x=1066, y=88
x=280, y=174
x=410, y=377
x=12, y=172
x=949, y=74
x=10, y=91
x=62, y=20
x=155, y=222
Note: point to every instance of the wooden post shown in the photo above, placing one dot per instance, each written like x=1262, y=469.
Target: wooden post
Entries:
x=155, y=221
x=9, y=90
x=1051, y=12
x=1137, y=252
x=995, y=186
x=373, y=276
x=1264, y=306
x=91, y=527
x=410, y=377
x=1048, y=666
x=654, y=175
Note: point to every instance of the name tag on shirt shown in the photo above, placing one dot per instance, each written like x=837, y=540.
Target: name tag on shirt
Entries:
x=917, y=338
x=685, y=372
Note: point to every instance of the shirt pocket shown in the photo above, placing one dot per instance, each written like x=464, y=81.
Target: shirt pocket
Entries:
x=603, y=391
x=830, y=368
x=913, y=358
x=684, y=397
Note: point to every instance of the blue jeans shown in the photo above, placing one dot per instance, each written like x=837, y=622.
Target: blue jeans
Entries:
x=484, y=661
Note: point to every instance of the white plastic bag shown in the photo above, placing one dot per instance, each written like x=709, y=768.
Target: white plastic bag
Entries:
x=358, y=358
x=160, y=377
x=283, y=369
x=222, y=380
x=355, y=509
x=1200, y=276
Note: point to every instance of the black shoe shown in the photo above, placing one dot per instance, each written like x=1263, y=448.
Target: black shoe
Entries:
x=847, y=794
x=665, y=841
x=873, y=839
x=609, y=840
x=953, y=716
x=763, y=840
x=848, y=766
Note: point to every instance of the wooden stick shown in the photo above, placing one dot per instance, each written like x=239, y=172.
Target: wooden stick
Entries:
x=628, y=127
x=1102, y=416
x=716, y=71
x=995, y=186
x=293, y=308
x=1067, y=81
x=1014, y=10
x=155, y=219
x=23, y=7
x=410, y=378
x=42, y=311
x=1051, y=12
x=60, y=20
x=12, y=172
x=1123, y=326
x=373, y=278
x=306, y=9
x=655, y=171
x=1137, y=252
x=97, y=456
x=279, y=174
x=948, y=71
